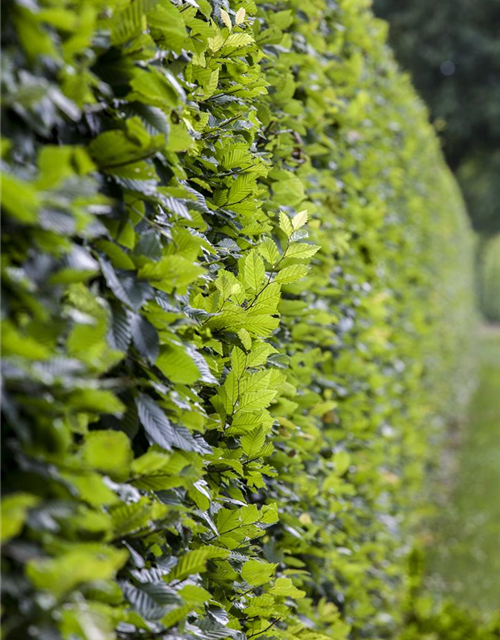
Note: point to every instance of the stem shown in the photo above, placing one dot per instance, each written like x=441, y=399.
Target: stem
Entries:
x=273, y=269
x=264, y=630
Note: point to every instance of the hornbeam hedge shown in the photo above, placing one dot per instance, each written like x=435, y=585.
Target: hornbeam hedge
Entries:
x=489, y=279
x=235, y=275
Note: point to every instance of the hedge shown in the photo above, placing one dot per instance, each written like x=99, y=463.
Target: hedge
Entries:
x=489, y=279
x=429, y=617
x=236, y=276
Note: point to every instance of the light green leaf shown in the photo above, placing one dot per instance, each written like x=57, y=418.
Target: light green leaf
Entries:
x=299, y=220
x=245, y=338
x=153, y=88
x=342, y=461
x=226, y=19
x=256, y=400
x=175, y=362
x=109, y=452
x=284, y=587
x=269, y=513
x=252, y=442
x=195, y=562
x=285, y=224
x=291, y=274
x=240, y=16
x=14, y=343
x=194, y=594
x=269, y=251
x=170, y=272
x=19, y=199
x=167, y=27
x=254, y=271
x=179, y=138
x=238, y=40
x=259, y=354
x=84, y=563
x=96, y=401
x=301, y=250
x=14, y=511
x=257, y=573
x=227, y=520
x=260, y=324
x=238, y=361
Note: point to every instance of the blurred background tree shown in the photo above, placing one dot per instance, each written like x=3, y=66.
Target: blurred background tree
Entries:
x=452, y=50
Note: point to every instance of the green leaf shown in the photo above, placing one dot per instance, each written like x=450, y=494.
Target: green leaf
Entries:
x=289, y=191
x=269, y=251
x=121, y=328
x=342, y=461
x=78, y=565
x=260, y=324
x=284, y=587
x=96, y=401
x=252, y=442
x=176, y=615
x=195, y=562
x=240, y=16
x=245, y=338
x=301, y=250
x=256, y=400
x=128, y=290
x=255, y=382
x=133, y=517
x=177, y=364
x=19, y=199
x=145, y=338
x=285, y=224
x=257, y=573
x=130, y=21
x=158, y=426
x=259, y=354
x=194, y=594
x=14, y=343
x=299, y=220
x=14, y=510
x=226, y=19
x=227, y=520
x=151, y=600
x=114, y=149
x=119, y=258
x=238, y=361
x=179, y=138
x=291, y=274
x=171, y=272
x=254, y=271
x=167, y=27
x=153, y=88
x=269, y=513
x=109, y=452
x=238, y=40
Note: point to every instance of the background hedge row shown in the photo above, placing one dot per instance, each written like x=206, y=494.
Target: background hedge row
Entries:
x=489, y=279
x=236, y=276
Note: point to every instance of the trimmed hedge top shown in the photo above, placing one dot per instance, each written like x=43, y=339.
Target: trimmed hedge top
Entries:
x=235, y=271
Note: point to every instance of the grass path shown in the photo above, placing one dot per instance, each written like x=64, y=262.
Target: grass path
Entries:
x=465, y=559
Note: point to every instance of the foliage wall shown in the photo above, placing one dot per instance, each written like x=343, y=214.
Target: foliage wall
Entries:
x=489, y=280
x=235, y=277
x=429, y=617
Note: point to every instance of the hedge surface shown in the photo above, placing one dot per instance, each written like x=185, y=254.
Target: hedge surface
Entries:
x=489, y=279
x=235, y=276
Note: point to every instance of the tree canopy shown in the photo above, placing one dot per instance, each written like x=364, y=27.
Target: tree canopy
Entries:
x=452, y=50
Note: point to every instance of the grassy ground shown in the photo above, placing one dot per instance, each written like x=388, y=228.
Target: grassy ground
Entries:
x=465, y=556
